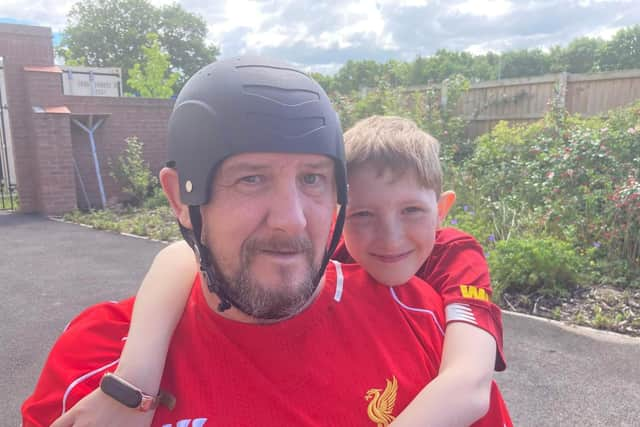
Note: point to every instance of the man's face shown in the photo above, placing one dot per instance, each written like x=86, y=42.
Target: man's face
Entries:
x=267, y=226
x=391, y=223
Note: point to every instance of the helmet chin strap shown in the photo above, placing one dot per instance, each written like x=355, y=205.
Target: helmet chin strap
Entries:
x=206, y=265
x=193, y=238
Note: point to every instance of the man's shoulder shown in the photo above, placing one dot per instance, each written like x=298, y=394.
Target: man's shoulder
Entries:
x=104, y=314
x=98, y=331
x=88, y=347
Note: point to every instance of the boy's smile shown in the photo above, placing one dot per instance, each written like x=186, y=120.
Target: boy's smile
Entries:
x=391, y=258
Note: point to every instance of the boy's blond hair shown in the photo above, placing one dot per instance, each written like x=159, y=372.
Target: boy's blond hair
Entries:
x=396, y=144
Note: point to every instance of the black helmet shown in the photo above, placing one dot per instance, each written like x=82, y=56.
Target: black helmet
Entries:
x=242, y=105
x=249, y=104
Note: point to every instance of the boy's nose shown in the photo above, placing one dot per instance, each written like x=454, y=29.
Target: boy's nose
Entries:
x=390, y=233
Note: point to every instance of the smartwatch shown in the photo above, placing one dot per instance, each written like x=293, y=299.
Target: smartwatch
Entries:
x=131, y=396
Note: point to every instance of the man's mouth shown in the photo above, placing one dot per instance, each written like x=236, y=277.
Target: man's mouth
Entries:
x=281, y=254
x=390, y=258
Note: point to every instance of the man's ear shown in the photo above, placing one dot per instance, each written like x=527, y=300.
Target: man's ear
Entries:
x=171, y=187
x=446, y=201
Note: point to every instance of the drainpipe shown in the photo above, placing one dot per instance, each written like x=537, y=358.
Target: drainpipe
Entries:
x=90, y=131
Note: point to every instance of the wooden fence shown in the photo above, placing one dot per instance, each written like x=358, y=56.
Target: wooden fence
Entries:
x=527, y=99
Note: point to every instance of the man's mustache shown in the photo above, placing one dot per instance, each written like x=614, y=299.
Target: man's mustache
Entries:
x=285, y=244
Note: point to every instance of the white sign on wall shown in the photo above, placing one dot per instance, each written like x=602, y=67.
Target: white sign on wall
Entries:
x=89, y=81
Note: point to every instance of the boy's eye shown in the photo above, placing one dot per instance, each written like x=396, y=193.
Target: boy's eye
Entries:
x=412, y=209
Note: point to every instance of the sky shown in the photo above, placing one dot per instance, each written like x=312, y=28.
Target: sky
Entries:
x=322, y=35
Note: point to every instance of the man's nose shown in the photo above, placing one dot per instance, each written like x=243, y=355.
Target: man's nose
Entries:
x=287, y=210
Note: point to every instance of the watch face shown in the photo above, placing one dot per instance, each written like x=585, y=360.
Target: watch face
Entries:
x=120, y=391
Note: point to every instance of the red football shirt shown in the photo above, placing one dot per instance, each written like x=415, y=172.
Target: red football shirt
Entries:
x=355, y=357
x=458, y=271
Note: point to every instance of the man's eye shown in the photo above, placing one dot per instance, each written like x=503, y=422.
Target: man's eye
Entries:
x=251, y=179
x=361, y=214
x=311, y=178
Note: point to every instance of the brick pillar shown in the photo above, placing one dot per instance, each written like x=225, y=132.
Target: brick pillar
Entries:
x=53, y=171
x=20, y=46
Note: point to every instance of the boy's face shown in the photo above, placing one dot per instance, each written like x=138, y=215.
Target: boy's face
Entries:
x=391, y=223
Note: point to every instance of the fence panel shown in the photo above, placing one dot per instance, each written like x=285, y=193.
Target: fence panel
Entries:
x=525, y=100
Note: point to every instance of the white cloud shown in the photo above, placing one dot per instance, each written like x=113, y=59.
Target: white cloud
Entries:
x=321, y=33
x=48, y=13
x=487, y=8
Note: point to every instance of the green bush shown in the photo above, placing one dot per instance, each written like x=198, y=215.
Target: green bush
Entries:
x=568, y=177
x=132, y=173
x=156, y=199
x=544, y=266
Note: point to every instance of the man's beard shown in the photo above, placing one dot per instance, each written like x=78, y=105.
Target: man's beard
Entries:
x=276, y=302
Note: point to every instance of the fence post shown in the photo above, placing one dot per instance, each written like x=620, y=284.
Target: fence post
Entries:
x=562, y=89
x=443, y=95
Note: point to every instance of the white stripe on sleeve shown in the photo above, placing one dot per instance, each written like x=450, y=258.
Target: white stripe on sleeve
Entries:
x=460, y=312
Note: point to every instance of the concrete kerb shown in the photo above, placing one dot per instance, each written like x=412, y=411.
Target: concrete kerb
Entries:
x=135, y=236
x=598, y=334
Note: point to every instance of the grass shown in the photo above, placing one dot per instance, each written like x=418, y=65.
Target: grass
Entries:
x=158, y=223
x=5, y=201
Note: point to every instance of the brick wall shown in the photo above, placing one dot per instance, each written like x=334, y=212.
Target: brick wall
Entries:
x=53, y=168
x=123, y=117
x=45, y=144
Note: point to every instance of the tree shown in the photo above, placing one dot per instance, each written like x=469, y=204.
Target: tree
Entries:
x=325, y=81
x=111, y=33
x=183, y=35
x=485, y=67
x=581, y=56
x=355, y=75
x=153, y=79
x=622, y=52
x=524, y=62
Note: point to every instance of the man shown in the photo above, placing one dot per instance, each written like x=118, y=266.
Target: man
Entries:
x=268, y=337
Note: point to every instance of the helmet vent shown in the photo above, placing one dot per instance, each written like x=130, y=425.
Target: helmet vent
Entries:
x=286, y=127
x=286, y=97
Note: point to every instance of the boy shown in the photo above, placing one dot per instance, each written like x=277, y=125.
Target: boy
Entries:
x=390, y=230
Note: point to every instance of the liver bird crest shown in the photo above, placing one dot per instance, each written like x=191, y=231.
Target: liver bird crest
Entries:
x=381, y=403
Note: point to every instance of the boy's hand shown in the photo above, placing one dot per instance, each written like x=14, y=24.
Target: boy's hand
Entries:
x=98, y=409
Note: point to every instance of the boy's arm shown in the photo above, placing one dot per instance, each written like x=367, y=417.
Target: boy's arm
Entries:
x=458, y=271
x=460, y=394
x=158, y=308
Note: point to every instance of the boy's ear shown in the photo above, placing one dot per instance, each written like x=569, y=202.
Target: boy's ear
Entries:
x=171, y=187
x=446, y=201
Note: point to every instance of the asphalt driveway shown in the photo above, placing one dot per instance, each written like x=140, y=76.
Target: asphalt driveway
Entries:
x=50, y=271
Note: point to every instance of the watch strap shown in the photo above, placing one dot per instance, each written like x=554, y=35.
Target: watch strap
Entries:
x=131, y=396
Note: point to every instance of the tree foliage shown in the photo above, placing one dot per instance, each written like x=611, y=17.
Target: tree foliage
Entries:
x=112, y=33
x=623, y=51
x=152, y=78
x=581, y=55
